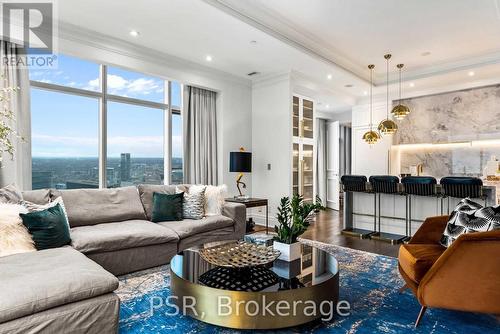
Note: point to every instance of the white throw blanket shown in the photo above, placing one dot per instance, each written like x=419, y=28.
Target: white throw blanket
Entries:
x=14, y=237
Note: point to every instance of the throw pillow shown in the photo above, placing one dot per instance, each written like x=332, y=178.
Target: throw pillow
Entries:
x=10, y=194
x=14, y=237
x=470, y=217
x=49, y=228
x=33, y=207
x=167, y=207
x=193, y=204
x=215, y=199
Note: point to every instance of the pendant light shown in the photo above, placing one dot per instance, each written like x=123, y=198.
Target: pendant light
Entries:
x=400, y=111
x=371, y=137
x=387, y=126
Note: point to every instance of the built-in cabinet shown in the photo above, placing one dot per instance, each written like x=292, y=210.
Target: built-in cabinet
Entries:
x=303, y=164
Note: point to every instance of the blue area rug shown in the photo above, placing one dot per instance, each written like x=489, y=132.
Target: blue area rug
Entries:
x=369, y=282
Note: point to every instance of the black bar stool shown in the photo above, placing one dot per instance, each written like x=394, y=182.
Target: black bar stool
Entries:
x=461, y=187
x=350, y=184
x=417, y=186
x=384, y=184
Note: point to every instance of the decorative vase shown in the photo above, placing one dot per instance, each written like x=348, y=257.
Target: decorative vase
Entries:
x=289, y=252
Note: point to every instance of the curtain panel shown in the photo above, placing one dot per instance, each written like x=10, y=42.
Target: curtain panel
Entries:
x=199, y=136
x=17, y=170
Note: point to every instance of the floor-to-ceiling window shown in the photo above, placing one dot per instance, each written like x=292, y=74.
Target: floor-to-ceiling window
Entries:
x=95, y=125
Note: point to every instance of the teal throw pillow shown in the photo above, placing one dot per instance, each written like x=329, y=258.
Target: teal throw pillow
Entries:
x=49, y=228
x=167, y=207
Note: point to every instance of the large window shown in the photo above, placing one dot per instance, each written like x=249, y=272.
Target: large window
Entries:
x=69, y=132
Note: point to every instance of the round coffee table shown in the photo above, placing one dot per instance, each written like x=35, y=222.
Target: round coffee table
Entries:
x=279, y=295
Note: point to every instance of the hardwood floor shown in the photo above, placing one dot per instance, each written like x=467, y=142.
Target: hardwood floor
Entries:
x=327, y=227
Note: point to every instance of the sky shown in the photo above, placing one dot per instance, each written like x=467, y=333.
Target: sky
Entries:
x=66, y=125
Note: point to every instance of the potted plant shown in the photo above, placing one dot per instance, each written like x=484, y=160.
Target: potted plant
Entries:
x=293, y=220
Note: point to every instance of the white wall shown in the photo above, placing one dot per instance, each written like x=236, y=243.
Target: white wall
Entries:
x=234, y=102
x=271, y=143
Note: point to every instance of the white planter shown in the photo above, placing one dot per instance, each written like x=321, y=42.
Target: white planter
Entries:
x=289, y=252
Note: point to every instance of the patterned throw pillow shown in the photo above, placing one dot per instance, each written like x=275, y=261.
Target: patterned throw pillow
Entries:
x=470, y=217
x=193, y=205
x=215, y=199
x=10, y=194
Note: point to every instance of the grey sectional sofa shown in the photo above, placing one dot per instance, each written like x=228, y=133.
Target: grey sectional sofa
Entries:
x=70, y=289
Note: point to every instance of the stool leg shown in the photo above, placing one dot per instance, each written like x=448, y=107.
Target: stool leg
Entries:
x=409, y=220
x=420, y=315
x=379, y=214
x=375, y=213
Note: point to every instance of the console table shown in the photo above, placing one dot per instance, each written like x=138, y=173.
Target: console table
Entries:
x=253, y=203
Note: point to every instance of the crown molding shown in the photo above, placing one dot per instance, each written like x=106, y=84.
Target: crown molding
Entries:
x=72, y=33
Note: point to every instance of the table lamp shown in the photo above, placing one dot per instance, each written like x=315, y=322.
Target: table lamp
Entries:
x=240, y=162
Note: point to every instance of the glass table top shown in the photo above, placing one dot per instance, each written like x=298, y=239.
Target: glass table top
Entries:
x=314, y=267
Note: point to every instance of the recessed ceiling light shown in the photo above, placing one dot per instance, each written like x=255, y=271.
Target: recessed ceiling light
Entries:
x=411, y=84
x=327, y=106
x=208, y=58
x=425, y=54
x=471, y=73
x=134, y=33
x=365, y=93
x=329, y=77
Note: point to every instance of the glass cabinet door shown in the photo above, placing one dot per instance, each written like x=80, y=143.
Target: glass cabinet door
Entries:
x=295, y=169
x=295, y=117
x=307, y=173
x=307, y=119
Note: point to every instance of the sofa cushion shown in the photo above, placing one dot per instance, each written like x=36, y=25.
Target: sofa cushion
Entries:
x=188, y=227
x=146, y=192
x=33, y=282
x=417, y=259
x=120, y=235
x=39, y=196
x=97, y=206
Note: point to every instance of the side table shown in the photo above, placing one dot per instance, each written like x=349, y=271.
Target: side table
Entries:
x=253, y=203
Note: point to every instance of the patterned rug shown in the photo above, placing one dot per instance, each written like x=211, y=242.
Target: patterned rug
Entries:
x=369, y=282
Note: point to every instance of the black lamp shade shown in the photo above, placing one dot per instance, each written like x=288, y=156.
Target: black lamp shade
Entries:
x=240, y=162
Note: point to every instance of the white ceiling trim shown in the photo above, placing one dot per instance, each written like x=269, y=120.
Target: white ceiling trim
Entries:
x=314, y=52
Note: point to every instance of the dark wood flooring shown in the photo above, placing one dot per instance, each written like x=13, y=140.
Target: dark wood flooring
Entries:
x=327, y=227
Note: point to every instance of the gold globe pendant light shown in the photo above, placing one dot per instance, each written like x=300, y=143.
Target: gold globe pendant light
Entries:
x=387, y=126
x=371, y=137
x=400, y=111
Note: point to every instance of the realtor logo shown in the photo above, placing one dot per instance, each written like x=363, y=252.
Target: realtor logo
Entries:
x=29, y=25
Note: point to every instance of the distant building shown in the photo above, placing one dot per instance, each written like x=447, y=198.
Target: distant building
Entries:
x=42, y=179
x=125, y=167
x=81, y=184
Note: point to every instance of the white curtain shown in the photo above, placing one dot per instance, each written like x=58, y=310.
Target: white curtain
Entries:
x=18, y=169
x=199, y=136
x=321, y=159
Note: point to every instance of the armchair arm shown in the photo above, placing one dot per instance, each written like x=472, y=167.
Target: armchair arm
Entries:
x=238, y=213
x=431, y=231
x=466, y=276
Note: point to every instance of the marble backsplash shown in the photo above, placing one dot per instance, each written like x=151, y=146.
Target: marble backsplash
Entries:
x=467, y=115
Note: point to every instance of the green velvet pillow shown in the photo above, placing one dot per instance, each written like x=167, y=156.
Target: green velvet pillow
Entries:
x=48, y=228
x=167, y=207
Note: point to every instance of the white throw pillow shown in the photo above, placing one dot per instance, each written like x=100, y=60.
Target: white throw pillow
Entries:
x=14, y=237
x=193, y=202
x=215, y=199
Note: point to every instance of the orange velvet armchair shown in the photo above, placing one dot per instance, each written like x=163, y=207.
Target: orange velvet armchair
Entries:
x=463, y=277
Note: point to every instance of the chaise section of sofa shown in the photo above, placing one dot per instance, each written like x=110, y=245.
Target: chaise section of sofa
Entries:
x=110, y=227
x=56, y=291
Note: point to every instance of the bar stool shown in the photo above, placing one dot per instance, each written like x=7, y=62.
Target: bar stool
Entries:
x=417, y=186
x=384, y=184
x=350, y=184
x=461, y=187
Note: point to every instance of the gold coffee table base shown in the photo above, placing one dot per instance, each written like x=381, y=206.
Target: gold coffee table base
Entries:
x=208, y=300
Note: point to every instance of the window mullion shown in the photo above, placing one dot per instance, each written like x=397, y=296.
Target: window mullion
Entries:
x=167, y=135
x=103, y=118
